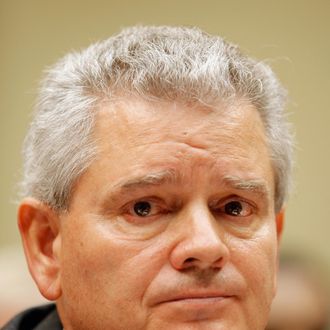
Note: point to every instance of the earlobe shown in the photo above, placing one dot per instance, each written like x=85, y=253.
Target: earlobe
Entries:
x=39, y=228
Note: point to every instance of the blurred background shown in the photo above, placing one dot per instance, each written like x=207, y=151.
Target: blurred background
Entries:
x=293, y=36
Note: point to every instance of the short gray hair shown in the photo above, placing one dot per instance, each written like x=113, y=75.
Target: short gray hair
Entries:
x=161, y=63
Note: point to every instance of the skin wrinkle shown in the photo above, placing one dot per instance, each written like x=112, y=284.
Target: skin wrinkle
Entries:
x=170, y=177
x=117, y=267
x=147, y=130
x=81, y=80
x=126, y=112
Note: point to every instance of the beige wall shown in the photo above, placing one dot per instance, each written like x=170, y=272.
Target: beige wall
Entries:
x=292, y=35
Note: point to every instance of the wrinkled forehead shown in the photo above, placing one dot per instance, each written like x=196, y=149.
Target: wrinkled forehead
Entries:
x=138, y=141
x=145, y=116
x=136, y=126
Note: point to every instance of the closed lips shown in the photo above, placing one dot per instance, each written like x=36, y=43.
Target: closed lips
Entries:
x=200, y=296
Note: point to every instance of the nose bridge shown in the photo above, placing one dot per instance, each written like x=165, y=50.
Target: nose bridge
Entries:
x=200, y=242
x=201, y=226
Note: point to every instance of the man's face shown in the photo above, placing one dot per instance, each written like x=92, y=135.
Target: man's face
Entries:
x=173, y=225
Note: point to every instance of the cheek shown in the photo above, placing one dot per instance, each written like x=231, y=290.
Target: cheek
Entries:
x=256, y=260
x=104, y=268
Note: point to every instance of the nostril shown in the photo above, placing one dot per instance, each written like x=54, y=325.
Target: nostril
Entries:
x=189, y=260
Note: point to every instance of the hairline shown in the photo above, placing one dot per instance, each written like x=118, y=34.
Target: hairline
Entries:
x=95, y=74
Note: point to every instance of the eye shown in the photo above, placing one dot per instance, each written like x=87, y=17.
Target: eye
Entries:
x=142, y=209
x=145, y=211
x=233, y=208
x=149, y=208
x=237, y=208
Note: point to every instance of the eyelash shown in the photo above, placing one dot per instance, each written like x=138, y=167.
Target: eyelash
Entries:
x=247, y=208
x=158, y=207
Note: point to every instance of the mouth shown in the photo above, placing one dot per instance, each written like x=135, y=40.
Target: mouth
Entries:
x=196, y=298
x=196, y=307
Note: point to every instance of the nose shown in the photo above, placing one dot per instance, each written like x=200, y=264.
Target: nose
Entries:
x=200, y=241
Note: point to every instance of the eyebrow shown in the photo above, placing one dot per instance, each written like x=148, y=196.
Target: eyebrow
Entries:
x=150, y=179
x=171, y=177
x=253, y=185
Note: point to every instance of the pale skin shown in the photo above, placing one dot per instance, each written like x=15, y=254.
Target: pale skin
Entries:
x=172, y=226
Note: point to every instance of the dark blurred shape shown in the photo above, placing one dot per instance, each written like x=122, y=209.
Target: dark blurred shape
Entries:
x=301, y=302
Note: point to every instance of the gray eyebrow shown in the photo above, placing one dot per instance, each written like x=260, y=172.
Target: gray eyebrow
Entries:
x=170, y=176
x=254, y=185
x=150, y=179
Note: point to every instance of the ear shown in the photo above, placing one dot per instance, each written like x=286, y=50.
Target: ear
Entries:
x=279, y=230
x=40, y=231
x=280, y=224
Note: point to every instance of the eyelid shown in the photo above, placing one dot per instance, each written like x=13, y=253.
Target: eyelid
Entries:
x=217, y=205
x=155, y=202
x=153, y=209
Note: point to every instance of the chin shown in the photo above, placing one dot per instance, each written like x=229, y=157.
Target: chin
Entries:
x=207, y=324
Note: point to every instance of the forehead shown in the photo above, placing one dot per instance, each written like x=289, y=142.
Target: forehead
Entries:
x=200, y=147
x=135, y=121
x=134, y=136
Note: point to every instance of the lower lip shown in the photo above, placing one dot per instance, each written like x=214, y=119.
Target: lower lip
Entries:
x=201, y=300
x=196, y=309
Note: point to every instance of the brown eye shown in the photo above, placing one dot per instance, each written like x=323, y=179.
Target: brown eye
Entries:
x=142, y=208
x=238, y=208
x=233, y=208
